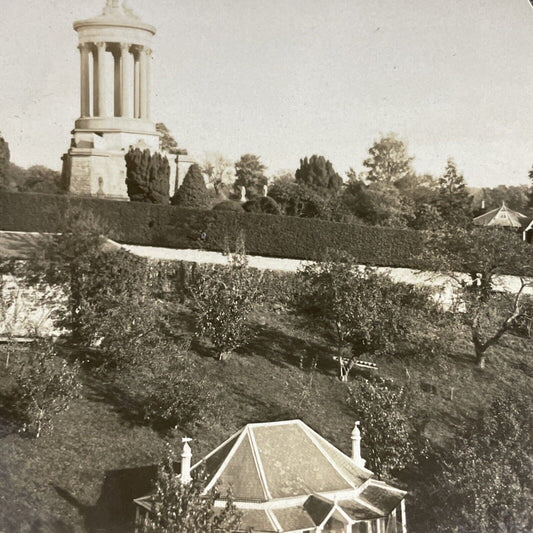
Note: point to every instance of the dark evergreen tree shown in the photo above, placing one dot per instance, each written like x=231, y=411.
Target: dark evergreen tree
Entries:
x=4, y=163
x=193, y=192
x=454, y=201
x=147, y=176
x=318, y=173
x=159, y=179
x=250, y=174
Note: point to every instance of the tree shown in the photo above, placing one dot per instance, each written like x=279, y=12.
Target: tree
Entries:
x=250, y=174
x=366, y=313
x=388, y=446
x=378, y=203
x=167, y=143
x=223, y=299
x=192, y=192
x=388, y=161
x=92, y=276
x=42, y=179
x=454, y=201
x=318, y=173
x=179, y=507
x=481, y=254
x=45, y=385
x=482, y=481
x=220, y=171
x=148, y=176
x=530, y=175
x=4, y=164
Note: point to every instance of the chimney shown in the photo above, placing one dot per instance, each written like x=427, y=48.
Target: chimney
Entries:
x=186, y=455
x=356, y=446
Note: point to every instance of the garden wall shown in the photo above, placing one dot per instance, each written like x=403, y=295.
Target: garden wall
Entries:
x=176, y=227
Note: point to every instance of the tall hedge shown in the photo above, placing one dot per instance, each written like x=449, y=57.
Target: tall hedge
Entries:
x=177, y=227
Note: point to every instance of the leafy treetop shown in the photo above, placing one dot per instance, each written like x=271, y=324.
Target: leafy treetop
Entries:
x=388, y=161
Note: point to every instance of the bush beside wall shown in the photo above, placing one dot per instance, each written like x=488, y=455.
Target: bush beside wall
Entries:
x=175, y=227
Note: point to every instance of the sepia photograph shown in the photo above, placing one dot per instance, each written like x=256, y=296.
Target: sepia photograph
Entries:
x=266, y=267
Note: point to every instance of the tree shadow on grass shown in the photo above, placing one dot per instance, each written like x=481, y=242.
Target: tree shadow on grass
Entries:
x=286, y=350
x=122, y=402
x=114, y=511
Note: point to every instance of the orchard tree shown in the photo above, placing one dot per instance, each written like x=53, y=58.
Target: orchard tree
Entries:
x=472, y=259
x=454, y=200
x=365, y=312
x=318, y=173
x=388, y=445
x=80, y=262
x=223, y=299
x=388, y=160
x=482, y=481
x=250, y=174
x=45, y=385
x=178, y=507
x=192, y=192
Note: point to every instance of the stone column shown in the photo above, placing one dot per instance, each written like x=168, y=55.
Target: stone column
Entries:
x=136, y=83
x=116, y=85
x=125, y=80
x=85, y=80
x=145, y=83
x=99, y=80
x=148, y=82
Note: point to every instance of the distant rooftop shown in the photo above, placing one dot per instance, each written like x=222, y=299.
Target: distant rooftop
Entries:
x=504, y=217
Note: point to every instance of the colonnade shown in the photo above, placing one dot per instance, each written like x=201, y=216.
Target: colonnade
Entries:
x=123, y=81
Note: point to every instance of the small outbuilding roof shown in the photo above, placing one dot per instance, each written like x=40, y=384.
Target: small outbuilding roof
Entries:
x=502, y=216
x=285, y=477
x=275, y=460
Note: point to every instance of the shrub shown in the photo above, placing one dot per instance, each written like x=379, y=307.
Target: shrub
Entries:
x=385, y=437
x=179, y=507
x=192, y=192
x=228, y=205
x=263, y=204
x=222, y=302
x=481, y=482
x=45, y=385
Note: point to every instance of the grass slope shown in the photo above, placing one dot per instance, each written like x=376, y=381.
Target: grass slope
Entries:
x=82, y=476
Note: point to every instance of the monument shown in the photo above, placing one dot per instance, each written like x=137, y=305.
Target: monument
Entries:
x=115, y=56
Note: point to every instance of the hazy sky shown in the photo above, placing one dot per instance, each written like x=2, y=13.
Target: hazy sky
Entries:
x=289, y=78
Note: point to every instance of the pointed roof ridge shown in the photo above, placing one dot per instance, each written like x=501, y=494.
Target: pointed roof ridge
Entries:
x=511, y=216
x=321, y=438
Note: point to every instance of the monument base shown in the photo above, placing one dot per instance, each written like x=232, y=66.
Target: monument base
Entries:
x=95, y=165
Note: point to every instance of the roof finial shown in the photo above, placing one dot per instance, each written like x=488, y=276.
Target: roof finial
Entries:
x=356, y=446
x=186, y=455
